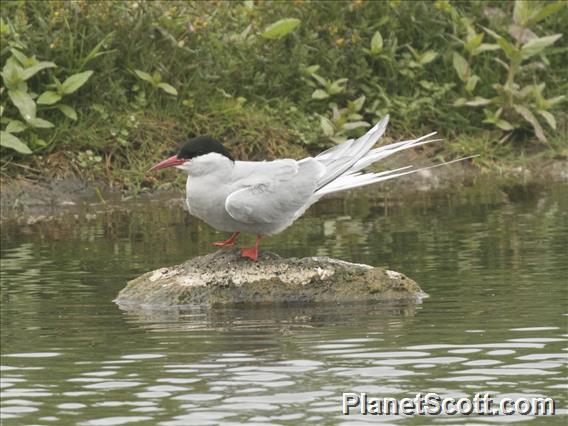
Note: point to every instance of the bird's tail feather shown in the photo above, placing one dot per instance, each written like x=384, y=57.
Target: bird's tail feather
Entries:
x=341, y=158
x=355, y=180
x=343, y=163
x=385, y=151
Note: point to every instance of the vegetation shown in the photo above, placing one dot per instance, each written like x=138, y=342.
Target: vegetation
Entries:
x=106, y=88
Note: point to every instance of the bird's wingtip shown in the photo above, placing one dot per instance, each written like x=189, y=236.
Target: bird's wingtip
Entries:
x=381, y=124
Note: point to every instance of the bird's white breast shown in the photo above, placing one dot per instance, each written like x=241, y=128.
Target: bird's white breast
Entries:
x=207, y=188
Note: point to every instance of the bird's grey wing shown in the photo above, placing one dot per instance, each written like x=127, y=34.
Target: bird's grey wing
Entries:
x=273, y=192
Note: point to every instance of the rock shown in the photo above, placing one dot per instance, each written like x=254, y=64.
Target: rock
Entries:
x=225, y=278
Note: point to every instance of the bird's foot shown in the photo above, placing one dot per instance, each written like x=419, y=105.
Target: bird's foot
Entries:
x=223, y=243
x=228, y=242
x=250, y=252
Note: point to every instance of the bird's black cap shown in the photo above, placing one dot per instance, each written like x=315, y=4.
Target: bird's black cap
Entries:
x=202, y=145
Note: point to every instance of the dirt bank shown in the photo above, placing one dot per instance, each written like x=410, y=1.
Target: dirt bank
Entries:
x=29, y=201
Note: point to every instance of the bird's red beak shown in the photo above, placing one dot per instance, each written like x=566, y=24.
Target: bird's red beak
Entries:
x=170, y=162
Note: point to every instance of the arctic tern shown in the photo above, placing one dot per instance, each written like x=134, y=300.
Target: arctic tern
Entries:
x=265, y=197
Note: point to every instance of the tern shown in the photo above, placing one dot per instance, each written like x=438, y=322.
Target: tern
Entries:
x=266, y=197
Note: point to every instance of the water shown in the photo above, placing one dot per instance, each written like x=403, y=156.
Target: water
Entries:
x=494, y=264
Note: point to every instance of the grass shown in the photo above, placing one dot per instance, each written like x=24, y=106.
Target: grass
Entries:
x=341, y=69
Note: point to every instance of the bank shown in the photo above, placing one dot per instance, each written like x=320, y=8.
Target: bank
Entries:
x=27, y=199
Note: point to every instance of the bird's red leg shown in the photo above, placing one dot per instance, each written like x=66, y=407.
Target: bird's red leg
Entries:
x=228, y=242
x=252, y=252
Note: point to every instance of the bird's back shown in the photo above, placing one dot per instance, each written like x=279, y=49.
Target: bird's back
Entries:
x=255, y=197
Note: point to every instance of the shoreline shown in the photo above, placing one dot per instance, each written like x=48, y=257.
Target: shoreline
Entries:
x=30, y=202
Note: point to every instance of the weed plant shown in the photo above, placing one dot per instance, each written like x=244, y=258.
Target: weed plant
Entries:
x=274, y=78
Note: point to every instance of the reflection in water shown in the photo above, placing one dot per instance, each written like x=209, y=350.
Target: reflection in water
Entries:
x=495, y=321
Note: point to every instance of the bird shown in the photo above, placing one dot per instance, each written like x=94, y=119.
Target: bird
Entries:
x=265, y=197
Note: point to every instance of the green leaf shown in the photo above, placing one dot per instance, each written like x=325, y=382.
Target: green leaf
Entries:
x=461, y=66
x=327, y=126
x=280, y=29
x=524, y=92
x=339, y=139
x=168, y=88
x=68, y=111
x=22, y=59
x=15, y=126
x=320, y=94
x=428, y=85
x=40, y=123
x=71, y=84
x=485, y=47
x=38, y=142
x=8, y=140
x=529, y=117
x=377, y=43
x=537, y=45
x=491, y=116
x=48, y=98
x=144, y=76
x=502, y=63
x=478, y=101
x=31, y=71
x=549, y=118
x=504, y=125
x=357, y=104
x=56, y=84
x=471, y=83
x=511, y=51
x=337, y=86
x=427, y=57
x=413, y=64
x=312, y=69
x=24, y=102
x=460, y=102
x=355, y=125
x=521, y=12
x=320, y=80
x=547, y=10
x=474, y=42
x=12, y=74
x=553, y=101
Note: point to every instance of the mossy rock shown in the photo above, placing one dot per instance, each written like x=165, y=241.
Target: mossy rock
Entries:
x=225, y=278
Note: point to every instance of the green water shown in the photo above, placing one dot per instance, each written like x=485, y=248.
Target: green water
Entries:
x=495, y=266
